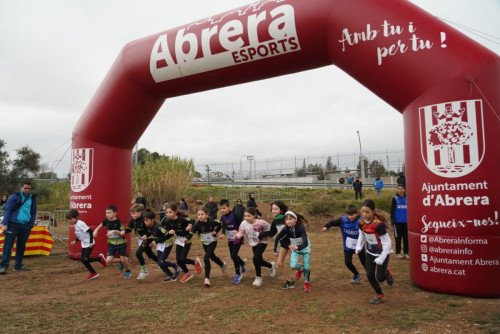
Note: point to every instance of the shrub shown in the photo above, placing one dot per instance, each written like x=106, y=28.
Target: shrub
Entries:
x=322, y=205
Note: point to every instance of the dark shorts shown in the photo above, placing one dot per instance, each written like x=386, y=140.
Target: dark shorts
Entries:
x=121, y=249
x=284, y=245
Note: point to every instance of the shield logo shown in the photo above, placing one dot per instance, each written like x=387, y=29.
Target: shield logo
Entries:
x=82, y=166
x=452, y=137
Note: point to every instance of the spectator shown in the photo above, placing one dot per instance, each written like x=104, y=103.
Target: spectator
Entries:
x=19, y=219
x=378, y=184
x=342, y=182
x=238, y=211
x=183, y=205
x=350, y=179
x=251, y=203
x=401, y=179
x=358, y=185
x=139, y=199
x=3, y=202
x=212, y=208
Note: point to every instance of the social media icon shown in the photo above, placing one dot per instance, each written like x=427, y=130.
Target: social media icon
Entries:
x=423, y=238
x=424, y=257
x=425, y=267
x=423, y=248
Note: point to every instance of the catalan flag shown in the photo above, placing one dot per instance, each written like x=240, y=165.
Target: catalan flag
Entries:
x=39, y=242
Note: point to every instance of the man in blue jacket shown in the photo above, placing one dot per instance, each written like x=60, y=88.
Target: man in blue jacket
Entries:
x=19, y=219
x=378, y=184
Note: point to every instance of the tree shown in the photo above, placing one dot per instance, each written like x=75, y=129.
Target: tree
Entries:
x=377, y=168
x=301, y=171
x=329, y=165
x=4, y=169
x=27, y=163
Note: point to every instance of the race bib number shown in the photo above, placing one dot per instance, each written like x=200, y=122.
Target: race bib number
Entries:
x=139, y=242
x=351, y=243
x=179, y=241
x=231, y=234
x=207, y=237
x=160, y=247
x=296, y=241
x=113, y=236
x=253, y=234
x=371, y=239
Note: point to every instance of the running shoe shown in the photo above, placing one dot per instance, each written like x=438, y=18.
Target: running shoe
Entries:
x=400, y=256
x=407, y=256
x=288, y=285
x=356, y=279
x=377, y=299
x=91, y=276
x=21, y=268
x=207, y=282
x=102, y=259
x=198, y=266
x=237, y=278
x=244, y=266
x=297, y=275
x=186, y=277
x=143, y=274
x=128, y=274
x=223, y=269
x=389, y=277
x=258, y=281
x=121, y=267
x=169, y=279
x=307, y=287
x=272, y=270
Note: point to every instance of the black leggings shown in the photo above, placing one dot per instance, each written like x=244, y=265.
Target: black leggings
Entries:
x=233, y=250
x=144, y=248
x=401, y=232
x=258, y=260
x=162, y=260
x=210, y=255
x=348, y=260
x=86, y=259
x=181, y=254
x=382, y=272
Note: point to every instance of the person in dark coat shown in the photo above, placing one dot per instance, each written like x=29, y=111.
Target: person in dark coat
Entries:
x=358, y=185
x=238, y=211
x=212, y=207
x=401, y=179
x=251, y=203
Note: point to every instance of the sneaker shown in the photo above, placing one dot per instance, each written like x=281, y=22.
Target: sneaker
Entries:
x=143, y=274
x=244, y=266
x=400, y=256
x=102, y=259
x=207, y=282
x=21, y=268
x=170, y=279
x=307, y=287
x=91, y=276
x=177, y=271
x=237, y=278
x=377, y=299
x=128, y=274
x=223, y=269
x=390, y=278
x=297, y=275
x=407, y=256
x=272, y=270
x=3, y=271
x=198, y=266
x=186, y=277
x=356, y=279
x=288, y=285
x=258, y=281
x=121, y=267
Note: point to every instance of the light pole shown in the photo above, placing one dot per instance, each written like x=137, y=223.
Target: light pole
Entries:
x=250, y=158
x=241, y=175
x=361, y=167
x=208, y=174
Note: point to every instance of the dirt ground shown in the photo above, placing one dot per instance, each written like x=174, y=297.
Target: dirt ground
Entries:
x=53, y=297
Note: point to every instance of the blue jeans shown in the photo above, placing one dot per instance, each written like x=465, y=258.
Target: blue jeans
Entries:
x=21, y=232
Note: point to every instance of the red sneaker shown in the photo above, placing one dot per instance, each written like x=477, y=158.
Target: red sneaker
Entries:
x=102, y=259
x=197, y=265
x=91, y=276
x=297, y=274
x=307, y=287
x=186, y=277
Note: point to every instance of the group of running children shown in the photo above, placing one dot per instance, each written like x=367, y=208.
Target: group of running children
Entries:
x=287, y=228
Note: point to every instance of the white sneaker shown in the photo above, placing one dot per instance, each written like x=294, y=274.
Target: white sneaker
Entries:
x=272, y=270
x=143, y=274
x=258, y=281
x=207, y=282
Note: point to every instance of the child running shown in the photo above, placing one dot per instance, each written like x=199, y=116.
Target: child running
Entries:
x=84, y=234
x=295, y=231
x=230, y=225
x=278, y=209
x=251, y=227
x=162, y=237
x=399, y=220
x=181, y=225
x=207, y=228
x=116, y=240
x=136, y=224
x=372, y=228
x=349, y=226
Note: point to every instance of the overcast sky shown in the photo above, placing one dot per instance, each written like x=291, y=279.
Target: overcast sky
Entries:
x=54, y=54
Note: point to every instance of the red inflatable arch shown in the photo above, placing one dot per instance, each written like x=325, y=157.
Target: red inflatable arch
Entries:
x=445, y=84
